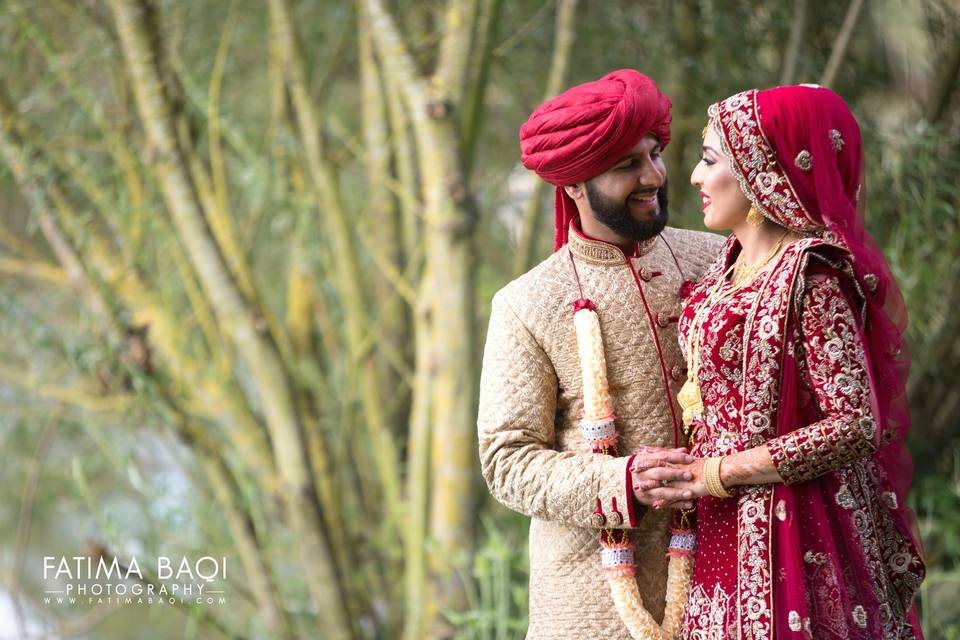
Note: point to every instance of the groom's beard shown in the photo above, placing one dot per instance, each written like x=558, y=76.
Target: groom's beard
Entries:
x=617, y=217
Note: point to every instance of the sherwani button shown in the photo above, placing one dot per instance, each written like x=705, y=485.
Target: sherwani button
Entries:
x=647, y=275
x=615, y=519
x=675, y=373
x=662, y=320
x=597, y=520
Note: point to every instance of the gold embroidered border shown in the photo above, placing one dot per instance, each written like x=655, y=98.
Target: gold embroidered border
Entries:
x=753, y=161
x=755, y=509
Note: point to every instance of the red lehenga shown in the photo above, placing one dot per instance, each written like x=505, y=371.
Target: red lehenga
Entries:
x=828, y=553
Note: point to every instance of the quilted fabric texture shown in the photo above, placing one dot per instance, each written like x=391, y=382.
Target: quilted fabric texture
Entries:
x=533, y=456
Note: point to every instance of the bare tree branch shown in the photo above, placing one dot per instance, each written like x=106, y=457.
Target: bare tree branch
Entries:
x=39, y=270
x=447, y=287
x=449, y=80
x=260, y=356
x=472, y=111
x=788, y=71
x=350, y=287
x=532, y=211
x=26, y=511
x=839, y=50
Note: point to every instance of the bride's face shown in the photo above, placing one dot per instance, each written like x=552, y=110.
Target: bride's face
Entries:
x=724, y=205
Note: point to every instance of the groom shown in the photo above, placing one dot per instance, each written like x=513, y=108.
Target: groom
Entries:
x=600, y=144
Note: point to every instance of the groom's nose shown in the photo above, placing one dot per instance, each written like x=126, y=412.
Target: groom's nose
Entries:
x=651, y=176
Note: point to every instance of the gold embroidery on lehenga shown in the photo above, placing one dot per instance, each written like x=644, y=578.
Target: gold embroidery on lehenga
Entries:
x=839, y=386
x=710, y=616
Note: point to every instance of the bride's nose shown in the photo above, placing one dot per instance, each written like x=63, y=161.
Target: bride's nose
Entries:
x=695, y=177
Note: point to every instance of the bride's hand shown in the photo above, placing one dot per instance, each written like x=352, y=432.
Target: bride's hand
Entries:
x=657, y=474
x=695, y=485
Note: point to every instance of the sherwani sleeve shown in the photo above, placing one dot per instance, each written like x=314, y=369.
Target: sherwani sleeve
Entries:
x=516, y=429
x=835, y=368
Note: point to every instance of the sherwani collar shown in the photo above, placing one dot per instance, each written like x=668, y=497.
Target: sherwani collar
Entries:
x=600, y=252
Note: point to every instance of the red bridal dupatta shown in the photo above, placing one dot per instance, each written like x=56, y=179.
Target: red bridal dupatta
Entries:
x=829, y=553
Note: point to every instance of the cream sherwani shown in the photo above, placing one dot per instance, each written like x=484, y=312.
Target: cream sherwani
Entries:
x=533, y=456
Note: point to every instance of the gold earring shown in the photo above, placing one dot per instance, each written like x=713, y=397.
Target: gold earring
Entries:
x=754, y=217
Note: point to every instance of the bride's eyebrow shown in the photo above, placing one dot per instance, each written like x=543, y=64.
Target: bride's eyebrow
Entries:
x=710, y=149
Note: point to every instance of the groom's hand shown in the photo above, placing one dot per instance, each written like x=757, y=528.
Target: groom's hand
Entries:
x=653, y=473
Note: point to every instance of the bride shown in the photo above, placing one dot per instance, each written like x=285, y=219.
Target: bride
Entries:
x=795, y=404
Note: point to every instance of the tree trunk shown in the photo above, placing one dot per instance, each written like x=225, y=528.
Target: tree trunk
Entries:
x=688, y=21
x=839, y=50
x=383, y=214
x=350, y=287
x=472, y=112
x=797, y=27
x=238, y=324
x=448, y=228
x=222, y=480
x=532, y=211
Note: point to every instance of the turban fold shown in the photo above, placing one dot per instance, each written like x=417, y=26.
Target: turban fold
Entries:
x=587, y=129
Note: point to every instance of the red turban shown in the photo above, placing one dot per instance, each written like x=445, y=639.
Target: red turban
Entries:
x=587, y=129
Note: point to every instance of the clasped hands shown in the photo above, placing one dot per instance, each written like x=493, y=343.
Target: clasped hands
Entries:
x=664, y=478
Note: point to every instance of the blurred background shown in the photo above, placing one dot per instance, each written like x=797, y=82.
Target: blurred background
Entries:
x=247, y=251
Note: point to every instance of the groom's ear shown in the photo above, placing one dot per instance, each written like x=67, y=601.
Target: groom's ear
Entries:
x=575, y=191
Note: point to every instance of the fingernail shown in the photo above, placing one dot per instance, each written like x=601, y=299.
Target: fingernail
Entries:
x=687, y=494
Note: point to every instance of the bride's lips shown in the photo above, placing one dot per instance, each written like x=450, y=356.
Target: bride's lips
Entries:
x=706, y=201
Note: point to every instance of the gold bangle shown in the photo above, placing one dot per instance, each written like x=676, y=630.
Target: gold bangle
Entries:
x=711, y=478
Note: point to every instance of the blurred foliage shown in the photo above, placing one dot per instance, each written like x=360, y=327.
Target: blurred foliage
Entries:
x=117, y=473
x=496, y=576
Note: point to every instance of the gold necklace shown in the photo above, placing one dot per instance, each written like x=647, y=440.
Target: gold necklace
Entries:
x=743, y=273
x=690, y=398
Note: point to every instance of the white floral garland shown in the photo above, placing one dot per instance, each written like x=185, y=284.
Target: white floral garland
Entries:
x=599, y=428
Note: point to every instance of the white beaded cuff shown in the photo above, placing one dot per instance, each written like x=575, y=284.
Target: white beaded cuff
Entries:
x=611, y=558
x=683, y=542
x=593, y=431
